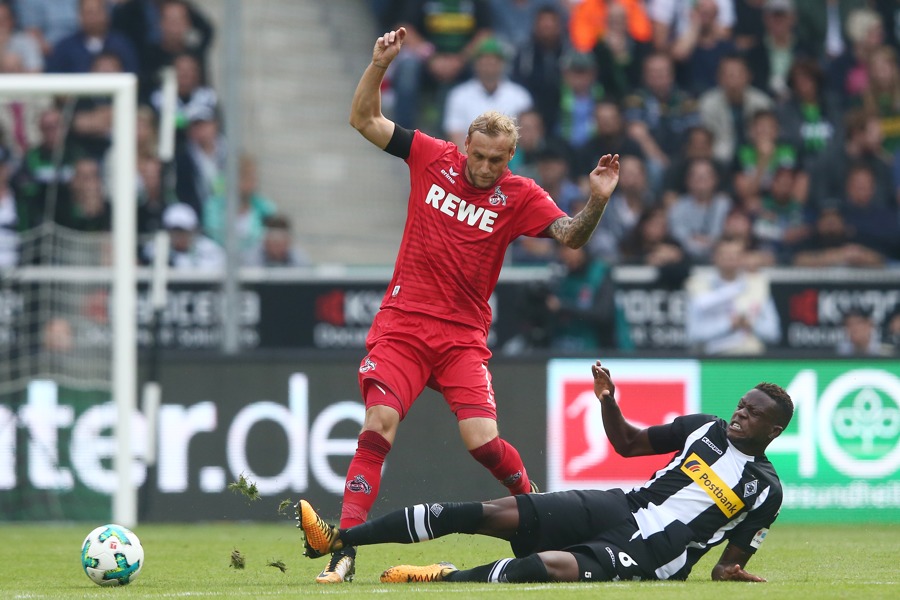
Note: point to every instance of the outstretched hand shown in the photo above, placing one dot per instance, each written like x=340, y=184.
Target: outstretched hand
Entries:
x=603, y=385
x=737, y=573
x=605, y=176
x=387, y=47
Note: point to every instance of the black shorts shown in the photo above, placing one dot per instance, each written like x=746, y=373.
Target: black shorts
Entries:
x=595, y=525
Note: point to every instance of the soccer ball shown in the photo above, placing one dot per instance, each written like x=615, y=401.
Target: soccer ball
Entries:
x=112, y=555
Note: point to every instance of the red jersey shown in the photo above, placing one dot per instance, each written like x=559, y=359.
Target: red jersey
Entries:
x=456, y=235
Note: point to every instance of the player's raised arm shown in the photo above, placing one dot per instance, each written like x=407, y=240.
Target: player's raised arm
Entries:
x=574, y=232
x=731, y=566
x=626, y=439
x=365, y=110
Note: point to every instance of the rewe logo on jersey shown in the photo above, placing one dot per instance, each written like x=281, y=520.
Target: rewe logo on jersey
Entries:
x=703, y=475
x=464, y=212
x=648, y=393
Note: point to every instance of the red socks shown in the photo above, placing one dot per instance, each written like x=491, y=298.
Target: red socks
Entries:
x=504, y=463
x=363, y=478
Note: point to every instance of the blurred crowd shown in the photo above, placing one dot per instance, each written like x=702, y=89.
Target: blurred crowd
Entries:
x=776, y=121
x=752, y=133
x=54, y=166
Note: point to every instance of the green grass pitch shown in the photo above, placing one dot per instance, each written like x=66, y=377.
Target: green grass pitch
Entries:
x=192, y=561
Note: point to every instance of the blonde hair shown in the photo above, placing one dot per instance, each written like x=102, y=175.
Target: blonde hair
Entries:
x=493, y=124
x=860, y=21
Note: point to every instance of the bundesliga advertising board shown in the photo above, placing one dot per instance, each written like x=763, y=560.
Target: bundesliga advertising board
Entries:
x=839, y=459
x=289, y=425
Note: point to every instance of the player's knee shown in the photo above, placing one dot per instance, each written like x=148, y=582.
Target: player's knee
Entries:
x=560, y=566
x=382, y=420
x=476, y=432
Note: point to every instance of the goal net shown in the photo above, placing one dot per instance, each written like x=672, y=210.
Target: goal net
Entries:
x=67, y=303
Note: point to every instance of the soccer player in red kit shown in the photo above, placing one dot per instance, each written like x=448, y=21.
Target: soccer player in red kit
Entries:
x=463, y=212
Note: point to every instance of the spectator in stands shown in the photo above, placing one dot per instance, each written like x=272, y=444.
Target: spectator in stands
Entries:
x=860, y=335
x=193, y=94
x=729, y=310
x=9, y=211
x=809, y=114
x=763, y=152
x=822, y=32
x=200, y=162
x=189, y=249
x=650, y=243
x=91, y=130
x=748, y=24
x=533, y=138
x=770, y=61
x=252, y=211
x=277, y=248
x=663, y=109
x=152, y=198
x=580, y=93
x=512, y=20
x=147, y=140
x=699, y=49
x=19, y=113
x=697, y=217
x=698, y=144
x=618, y=52
x=537, y=65
x=781, y=223
x=609, y=136
x=46, y=167
x=832, y=244
x=75, y=53
x=48, y=21
x=739, y=225
x=882, y=96
x=85, y=206
x=848, y=73
x=672, y=18
x=874, y=225
x=553, y=176
x=723, y=109
x=162, y=30
x=626, y=206
x=20, y=43
x=440, y=41
x=582, y=306
x=861, y=144
x=589, y=22
x=488, y=89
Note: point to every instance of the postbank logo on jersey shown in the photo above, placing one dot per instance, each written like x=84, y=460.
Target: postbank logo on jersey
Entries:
x=455, y=207
x=579, y=453
x=703, y=475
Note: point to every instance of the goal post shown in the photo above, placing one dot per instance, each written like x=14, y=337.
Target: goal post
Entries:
x=122, y=88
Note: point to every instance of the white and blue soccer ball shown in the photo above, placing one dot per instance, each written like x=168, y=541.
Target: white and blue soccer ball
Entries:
x=112, y=555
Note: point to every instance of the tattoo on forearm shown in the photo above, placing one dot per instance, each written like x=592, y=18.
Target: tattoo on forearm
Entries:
x=576, y=231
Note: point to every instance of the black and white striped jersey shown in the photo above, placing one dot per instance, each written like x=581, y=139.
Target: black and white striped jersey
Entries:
x=710, y=492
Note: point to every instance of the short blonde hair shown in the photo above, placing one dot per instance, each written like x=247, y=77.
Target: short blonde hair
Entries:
x=493, y=124
x=860, y=21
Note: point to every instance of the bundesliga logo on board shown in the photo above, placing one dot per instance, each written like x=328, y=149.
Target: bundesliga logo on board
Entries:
x=579, y=453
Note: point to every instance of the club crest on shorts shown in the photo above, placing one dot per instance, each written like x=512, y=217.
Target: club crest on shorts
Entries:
x=359, y=484
x=367, y=365
x=497, y=197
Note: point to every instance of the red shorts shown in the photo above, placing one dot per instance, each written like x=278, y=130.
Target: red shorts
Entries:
x=408, y=351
